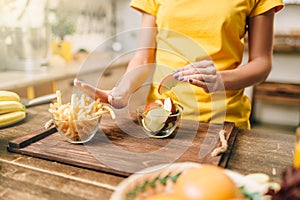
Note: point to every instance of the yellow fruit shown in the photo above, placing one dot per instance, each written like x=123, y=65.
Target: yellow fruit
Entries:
x=11, y=118
x=207, y=182
x=9, y=96
x=10, y=106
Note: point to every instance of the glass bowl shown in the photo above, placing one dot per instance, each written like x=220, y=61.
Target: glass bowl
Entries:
x=78, y=131
x=158, y=126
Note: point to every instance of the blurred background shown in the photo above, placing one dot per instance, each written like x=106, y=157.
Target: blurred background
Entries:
x=43, y=43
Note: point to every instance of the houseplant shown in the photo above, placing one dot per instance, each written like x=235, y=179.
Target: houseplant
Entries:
x=63, y=25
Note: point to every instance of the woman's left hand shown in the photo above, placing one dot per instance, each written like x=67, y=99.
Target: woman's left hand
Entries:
x=202, y=74
x=92, y=91
x=112, y=97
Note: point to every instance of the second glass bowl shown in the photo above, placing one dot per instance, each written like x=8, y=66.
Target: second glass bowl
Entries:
x=162, y=126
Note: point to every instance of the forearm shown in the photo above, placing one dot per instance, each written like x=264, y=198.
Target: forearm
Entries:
x=254, y=72
x=138, y=70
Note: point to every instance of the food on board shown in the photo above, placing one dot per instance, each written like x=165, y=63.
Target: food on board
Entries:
x=79, y=118
x=160, y=114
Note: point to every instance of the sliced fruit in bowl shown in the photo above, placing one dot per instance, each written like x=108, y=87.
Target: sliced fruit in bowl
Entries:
x=151, y=106
x=155, y=118
x=159, y=119
x=169, y=105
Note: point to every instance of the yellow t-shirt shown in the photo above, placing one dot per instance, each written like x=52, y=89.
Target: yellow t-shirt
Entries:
x=189, y=31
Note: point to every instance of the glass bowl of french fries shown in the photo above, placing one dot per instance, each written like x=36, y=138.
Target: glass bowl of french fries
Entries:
x=79, y=120
x=78, y=131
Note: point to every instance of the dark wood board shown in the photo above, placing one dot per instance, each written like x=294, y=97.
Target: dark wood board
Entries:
x=122, y=148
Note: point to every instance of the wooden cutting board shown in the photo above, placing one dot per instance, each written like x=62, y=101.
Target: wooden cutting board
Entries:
x=122, y=148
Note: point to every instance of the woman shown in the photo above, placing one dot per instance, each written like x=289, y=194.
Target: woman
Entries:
x=201, y=43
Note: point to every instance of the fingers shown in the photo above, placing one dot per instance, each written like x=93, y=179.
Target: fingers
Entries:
x=201, y=71
x=117, y=100
x=202, y=74
x=198, y=83
x=197, y=65
x=92, y=91
x=210, y=78
x=110, y=99
x=215, y=84
x=106, y=96
x=77, y=83
x=203, y=67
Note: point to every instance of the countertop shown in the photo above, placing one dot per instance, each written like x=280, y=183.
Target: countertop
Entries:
x=25, y=177
x=12, y=79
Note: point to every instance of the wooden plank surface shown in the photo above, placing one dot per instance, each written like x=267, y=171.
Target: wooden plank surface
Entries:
x=27, y=177
x=282, y=93
x=114, y=151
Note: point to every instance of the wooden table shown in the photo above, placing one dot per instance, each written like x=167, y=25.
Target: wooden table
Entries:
x=25, y=177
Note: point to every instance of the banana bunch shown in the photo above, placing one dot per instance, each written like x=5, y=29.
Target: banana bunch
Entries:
x=11, y=109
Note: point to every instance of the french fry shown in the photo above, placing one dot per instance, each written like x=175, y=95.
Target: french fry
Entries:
x=111, y=112
x=58, y=96
x=48, y=124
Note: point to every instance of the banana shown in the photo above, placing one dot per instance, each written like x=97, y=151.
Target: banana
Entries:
x=11, y=118
x=9, y=96
x=10, y=106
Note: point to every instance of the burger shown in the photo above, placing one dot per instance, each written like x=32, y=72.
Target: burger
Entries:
x=206, y=182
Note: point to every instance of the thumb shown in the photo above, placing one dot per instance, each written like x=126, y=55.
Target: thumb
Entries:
x=110, y=99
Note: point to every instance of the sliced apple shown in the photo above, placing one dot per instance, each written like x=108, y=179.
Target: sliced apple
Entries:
x=144, y=125
x=167, y=84
x=151, y=106
x=160, y=101
x=155, y=118
x=169, y=105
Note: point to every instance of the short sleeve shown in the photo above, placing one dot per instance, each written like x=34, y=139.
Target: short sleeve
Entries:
x=265, y=5
x=148, y=6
